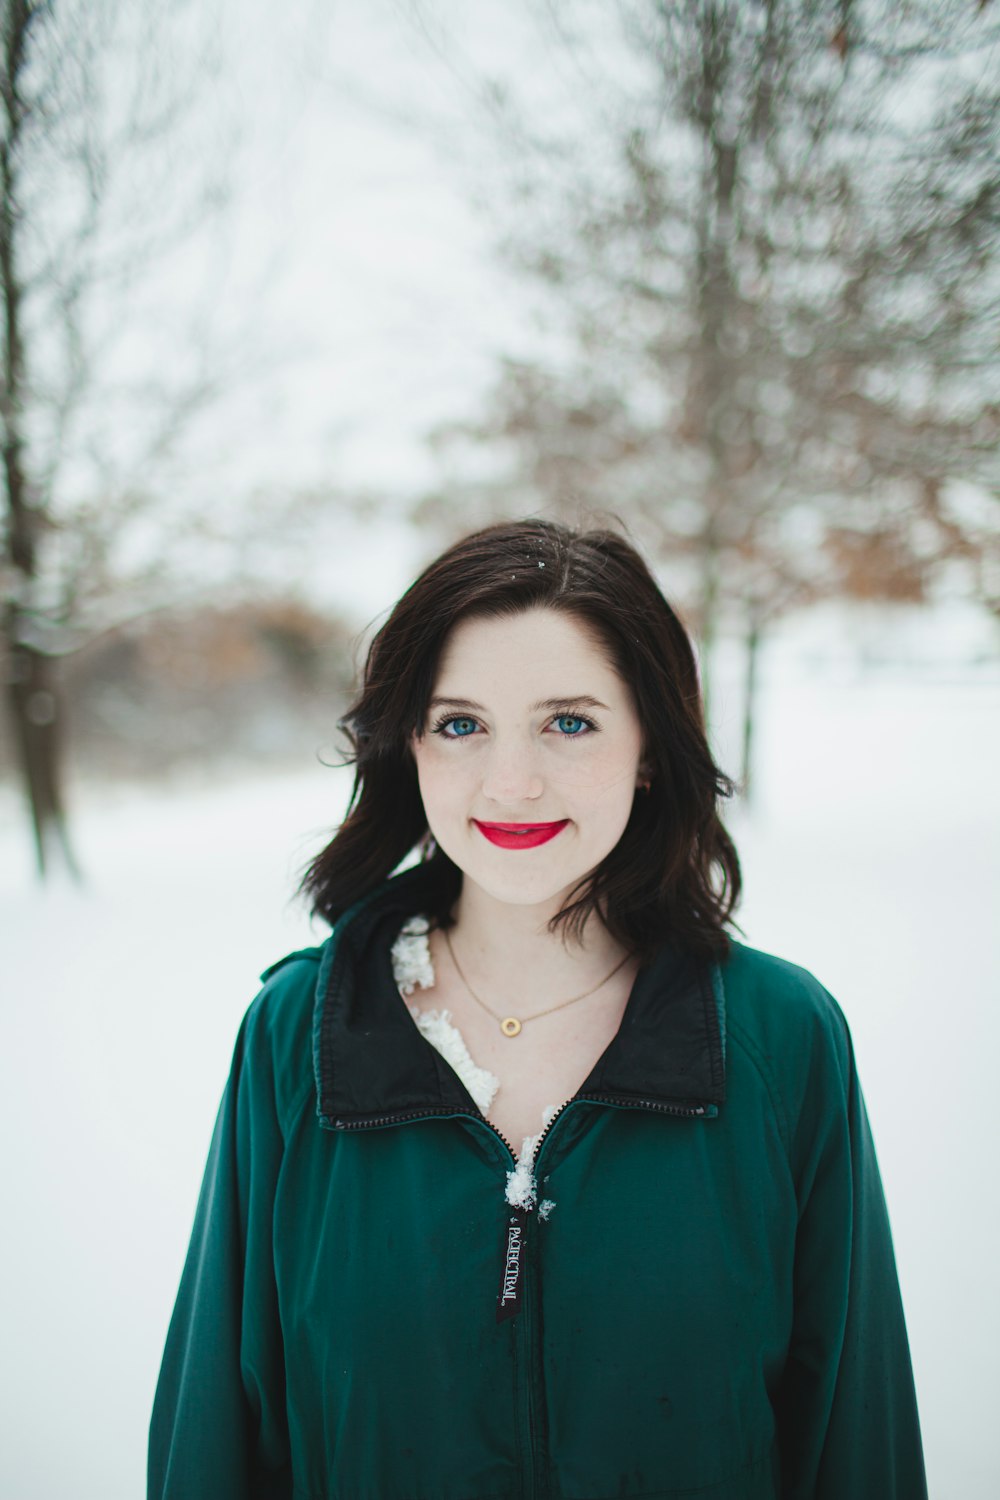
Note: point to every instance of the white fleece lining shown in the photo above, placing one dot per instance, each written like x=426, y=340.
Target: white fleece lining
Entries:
x=412, y=966
x=411, y=957
x=439, y=1029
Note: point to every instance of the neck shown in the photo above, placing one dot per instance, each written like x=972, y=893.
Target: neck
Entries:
x=508, y=947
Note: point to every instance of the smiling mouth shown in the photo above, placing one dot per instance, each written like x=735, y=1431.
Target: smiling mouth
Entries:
x=520, y=835
x=521, y=827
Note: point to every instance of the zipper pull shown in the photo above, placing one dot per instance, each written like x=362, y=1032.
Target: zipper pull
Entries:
x=512, y=1264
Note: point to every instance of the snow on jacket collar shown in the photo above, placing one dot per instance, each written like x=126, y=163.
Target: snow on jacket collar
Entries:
x=710, y=1310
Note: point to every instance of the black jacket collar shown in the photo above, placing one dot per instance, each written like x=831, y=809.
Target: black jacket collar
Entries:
x=373, y=1066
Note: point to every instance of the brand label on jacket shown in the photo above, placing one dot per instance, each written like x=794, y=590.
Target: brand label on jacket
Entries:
x=512, y=1264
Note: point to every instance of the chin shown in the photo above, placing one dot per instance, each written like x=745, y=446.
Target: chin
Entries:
x=543, y=899
x=518, y=889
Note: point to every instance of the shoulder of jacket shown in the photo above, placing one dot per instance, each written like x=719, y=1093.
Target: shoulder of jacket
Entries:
x=789, y=1025
x=310, y=955
x=795, y=1037
x=762, y=988
x=278, y=1026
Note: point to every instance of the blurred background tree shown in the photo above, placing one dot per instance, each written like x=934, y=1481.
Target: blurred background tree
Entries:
x=766, y=238
x=96, y=190
x=117, y=165
x=249, y=680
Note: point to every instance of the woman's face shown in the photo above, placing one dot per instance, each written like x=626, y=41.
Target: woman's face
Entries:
x=528, y=724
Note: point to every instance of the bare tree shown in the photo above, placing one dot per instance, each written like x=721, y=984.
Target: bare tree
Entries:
x=107, y=173
x=774, y=283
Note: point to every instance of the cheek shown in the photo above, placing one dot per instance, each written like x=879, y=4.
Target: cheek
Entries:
x=438, y=777
x=604, y=775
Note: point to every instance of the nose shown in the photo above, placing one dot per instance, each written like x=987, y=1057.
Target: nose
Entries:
x=512, y=774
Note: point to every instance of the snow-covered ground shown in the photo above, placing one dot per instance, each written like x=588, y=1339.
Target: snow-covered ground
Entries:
x=871, y=856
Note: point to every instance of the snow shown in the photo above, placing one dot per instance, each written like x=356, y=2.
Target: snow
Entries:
x=522, y=1189
x=871, y=856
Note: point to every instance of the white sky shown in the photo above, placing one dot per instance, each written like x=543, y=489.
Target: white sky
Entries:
x=384, y=291
x=352, y=274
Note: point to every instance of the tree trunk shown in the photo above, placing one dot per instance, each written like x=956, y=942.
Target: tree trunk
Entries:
x=32, y=692
x=750, y=707
x=34, y=705
x=711, y=384
x=708, y=609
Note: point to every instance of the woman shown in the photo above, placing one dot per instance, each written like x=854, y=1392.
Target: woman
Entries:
x=530, y=1180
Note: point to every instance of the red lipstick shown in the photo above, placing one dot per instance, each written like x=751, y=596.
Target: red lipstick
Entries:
x=520, y=835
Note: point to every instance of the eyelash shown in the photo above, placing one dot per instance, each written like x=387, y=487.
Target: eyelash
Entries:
x=441, y=724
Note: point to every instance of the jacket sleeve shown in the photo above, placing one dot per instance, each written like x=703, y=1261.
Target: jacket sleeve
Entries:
x=218, y=1429
x=848, y=1424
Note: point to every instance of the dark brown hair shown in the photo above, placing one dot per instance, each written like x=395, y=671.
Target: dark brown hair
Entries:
x=674, y=873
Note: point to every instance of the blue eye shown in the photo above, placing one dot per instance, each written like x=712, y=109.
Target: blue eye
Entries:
x=464, y=727
x=461, y=733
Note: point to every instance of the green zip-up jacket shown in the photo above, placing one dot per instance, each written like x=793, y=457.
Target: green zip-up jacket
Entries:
x=710, y=1308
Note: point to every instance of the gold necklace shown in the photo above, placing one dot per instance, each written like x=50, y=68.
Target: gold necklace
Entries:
x=510, y=1025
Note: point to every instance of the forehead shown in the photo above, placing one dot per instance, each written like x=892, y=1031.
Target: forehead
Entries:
x=533, y=645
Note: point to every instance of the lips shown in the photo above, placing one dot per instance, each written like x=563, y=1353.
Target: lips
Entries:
x=520, y=835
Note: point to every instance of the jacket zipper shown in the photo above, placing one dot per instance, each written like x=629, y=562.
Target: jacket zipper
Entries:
x=684, y=1111
x=535, y=1477
x=429, y=1110
x=524, y=1334
x=372, y=1122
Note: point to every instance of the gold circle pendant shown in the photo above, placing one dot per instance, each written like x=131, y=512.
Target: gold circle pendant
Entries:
x=510, y=1026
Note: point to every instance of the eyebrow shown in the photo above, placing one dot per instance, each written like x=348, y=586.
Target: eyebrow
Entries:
x=582, y=700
